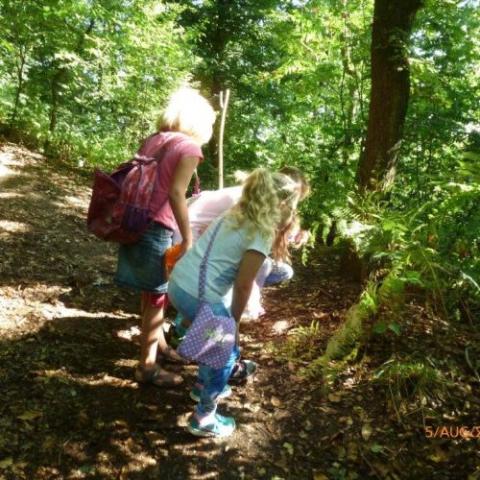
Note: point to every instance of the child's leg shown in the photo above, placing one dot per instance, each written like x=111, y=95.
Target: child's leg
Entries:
x=152, y=308
x=254, y=309
x=211, y=382
x=280, y=272
x=264, y=272
x=214, y=382
x=205, y=377
x=152, y=337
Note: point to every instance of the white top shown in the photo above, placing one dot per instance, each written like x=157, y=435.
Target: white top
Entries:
x=206, y=207
x=228, y=249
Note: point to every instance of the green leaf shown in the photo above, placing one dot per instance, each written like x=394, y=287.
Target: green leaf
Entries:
x=380, y=328
x=376, y=448
x=395, y=328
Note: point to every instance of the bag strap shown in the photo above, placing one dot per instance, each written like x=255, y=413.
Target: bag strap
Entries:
x=203, y=265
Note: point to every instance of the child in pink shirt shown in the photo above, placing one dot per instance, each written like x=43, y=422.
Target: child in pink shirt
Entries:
x=185, y=125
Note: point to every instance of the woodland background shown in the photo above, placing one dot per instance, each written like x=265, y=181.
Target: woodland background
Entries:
x=85, y=80
x=377, y=102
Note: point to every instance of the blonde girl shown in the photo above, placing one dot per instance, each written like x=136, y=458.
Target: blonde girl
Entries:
x=243, y=240
x=185, y=125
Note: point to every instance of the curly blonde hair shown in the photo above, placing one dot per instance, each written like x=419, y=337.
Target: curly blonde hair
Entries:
x=267, y=204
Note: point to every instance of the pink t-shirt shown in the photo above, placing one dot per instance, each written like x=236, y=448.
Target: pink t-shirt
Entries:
x=209, y=205
x=179, y=146
x=203, y=209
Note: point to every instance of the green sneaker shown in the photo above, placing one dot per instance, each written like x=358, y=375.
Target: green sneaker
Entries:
x=219, y=427
x=195, y=393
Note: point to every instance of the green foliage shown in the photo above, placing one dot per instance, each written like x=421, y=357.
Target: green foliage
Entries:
x=302, y=344
x=412, y=379
x=85, y=80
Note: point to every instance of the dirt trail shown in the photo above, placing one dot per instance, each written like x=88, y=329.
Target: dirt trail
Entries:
x=68, y=406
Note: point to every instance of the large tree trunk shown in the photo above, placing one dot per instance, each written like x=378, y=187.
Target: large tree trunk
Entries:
x=392, y=25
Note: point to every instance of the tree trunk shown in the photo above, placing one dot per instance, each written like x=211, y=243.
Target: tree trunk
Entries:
x=392, y=25
x=347, y=87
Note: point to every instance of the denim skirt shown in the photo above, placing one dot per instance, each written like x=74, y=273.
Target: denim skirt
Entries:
x=141, y=265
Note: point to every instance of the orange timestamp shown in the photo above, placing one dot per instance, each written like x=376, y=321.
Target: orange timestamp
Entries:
x=445, y=431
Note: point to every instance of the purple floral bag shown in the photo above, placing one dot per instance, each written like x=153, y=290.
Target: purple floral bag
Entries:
x=211, y=338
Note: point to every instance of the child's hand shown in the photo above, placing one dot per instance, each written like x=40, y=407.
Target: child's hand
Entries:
x=184, y=247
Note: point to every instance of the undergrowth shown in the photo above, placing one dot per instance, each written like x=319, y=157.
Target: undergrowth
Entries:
x=426, y=253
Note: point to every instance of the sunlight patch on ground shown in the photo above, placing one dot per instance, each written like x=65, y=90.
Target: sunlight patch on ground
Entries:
x=14, y=313
x=125, y=362
x=137, y=461
x=6, y=172
x=74, y=202
x=36, y=305
x=7, y=158
x=280, y=327
x=13, y=227
x=10, y=195
x=36, y=196
x=69, y=203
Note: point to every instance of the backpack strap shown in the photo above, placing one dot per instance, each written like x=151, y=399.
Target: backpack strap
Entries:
x=142, y=160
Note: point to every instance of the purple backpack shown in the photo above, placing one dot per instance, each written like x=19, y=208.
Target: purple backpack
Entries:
x=119, y=208
x=211, y=338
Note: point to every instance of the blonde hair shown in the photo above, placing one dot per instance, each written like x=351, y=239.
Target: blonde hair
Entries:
x=267, y=203
x=302, y=183
x=280, y=244
x=190, y=113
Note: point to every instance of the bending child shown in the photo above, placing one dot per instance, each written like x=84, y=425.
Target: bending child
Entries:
x=244, y=239
x=209, y=205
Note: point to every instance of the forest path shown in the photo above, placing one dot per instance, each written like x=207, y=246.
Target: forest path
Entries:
x=70, y=410
x=69, y=406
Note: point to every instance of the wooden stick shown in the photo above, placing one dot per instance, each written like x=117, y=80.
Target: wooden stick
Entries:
x=224, y=105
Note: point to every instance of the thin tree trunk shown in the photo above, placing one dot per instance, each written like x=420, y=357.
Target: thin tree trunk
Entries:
x=224, y=99
x=347, y=86
x=392, y=26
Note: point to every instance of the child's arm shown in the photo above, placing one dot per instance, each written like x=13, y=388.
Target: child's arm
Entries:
x=249, y=266
x=181, y=178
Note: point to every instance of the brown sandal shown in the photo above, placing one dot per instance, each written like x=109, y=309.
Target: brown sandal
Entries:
x=157, y=376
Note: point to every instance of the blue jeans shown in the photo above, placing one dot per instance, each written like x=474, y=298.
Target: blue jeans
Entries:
x=211, y=381
x=273, y=272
